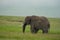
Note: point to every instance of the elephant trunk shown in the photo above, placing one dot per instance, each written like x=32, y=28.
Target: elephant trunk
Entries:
x=24, y=25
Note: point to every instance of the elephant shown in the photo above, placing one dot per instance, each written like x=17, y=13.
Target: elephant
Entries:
x=37, y=23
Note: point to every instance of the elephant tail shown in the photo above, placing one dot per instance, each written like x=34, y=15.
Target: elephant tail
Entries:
x=48, y=25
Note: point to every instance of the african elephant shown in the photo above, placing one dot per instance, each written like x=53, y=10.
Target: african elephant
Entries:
x=37, y=23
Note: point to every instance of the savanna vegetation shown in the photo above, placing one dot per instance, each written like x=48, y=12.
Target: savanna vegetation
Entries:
x=11, y=29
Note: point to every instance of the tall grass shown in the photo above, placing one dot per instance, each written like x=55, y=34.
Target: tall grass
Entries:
x=11, y=29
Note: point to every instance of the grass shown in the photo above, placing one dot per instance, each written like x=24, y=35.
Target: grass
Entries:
x=11, y=29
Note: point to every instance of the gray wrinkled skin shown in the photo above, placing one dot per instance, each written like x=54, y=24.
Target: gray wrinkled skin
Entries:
x=37, y=23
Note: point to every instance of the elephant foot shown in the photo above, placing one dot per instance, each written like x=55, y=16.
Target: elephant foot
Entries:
x=45, y=31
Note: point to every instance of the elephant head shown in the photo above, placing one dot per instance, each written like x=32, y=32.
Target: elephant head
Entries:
x=26, y=22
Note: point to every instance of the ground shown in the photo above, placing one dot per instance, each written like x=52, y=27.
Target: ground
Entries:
x=11, y=29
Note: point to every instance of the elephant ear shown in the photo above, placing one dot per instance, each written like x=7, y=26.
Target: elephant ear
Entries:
x=28, y=19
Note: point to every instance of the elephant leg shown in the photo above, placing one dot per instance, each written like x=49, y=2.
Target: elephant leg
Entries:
x=34, y=30
x=45, y=30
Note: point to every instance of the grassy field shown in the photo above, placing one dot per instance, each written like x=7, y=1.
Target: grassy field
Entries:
x=11, y=29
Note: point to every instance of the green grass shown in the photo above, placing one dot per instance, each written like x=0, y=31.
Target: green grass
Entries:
x=11, y=29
